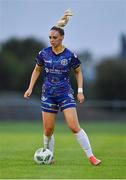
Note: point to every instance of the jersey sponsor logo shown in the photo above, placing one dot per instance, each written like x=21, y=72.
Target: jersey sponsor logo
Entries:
x=55, y=71
x=47, y=70
x=64, y=62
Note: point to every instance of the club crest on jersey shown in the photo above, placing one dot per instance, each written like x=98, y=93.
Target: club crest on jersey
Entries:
x=64, y=62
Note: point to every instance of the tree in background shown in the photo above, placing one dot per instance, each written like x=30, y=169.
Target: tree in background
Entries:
x=110, y=83
x=17, y=58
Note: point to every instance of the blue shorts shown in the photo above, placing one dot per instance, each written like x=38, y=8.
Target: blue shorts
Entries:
x=53, y=103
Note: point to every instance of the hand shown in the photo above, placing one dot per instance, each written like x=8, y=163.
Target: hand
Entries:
x=80, y=97
x=28, y=93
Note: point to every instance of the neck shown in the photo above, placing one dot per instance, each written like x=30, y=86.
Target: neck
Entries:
x=58, y=49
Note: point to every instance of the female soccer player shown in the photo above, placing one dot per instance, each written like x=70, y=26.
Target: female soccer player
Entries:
x=57, y=93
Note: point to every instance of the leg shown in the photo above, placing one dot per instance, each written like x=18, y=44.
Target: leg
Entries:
x=72, y=121
x=71, y=118
x=48, y=124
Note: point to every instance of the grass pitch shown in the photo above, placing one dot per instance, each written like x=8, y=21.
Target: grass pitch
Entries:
x=18, y=142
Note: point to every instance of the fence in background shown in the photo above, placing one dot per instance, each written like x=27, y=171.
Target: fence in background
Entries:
x=15, y=108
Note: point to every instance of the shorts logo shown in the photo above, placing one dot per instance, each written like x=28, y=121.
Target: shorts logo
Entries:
x=44, y=98
x=64, y=62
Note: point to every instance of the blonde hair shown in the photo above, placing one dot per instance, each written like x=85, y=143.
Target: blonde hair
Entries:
x=64, y=19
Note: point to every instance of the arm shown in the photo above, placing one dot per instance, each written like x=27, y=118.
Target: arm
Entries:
x=35, y=74
x=79, y=78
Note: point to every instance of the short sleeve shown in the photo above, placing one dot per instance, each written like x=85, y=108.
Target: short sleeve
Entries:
x=75, y=62
x=39, y=59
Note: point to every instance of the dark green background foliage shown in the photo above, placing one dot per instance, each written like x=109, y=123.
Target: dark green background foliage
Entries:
x=110, y=80
x=17, y=62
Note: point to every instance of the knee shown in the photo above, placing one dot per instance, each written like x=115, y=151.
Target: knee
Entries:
x=48, y=131
x=75, y=129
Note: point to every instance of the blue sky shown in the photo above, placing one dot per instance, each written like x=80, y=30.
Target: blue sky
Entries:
x=95, y=26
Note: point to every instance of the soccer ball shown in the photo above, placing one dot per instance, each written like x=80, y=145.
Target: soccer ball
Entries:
x=43, y=156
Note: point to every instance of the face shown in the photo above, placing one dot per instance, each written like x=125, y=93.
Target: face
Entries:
x=55, y=38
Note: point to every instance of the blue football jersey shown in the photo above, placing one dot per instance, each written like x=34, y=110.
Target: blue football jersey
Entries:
x=56, y=70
